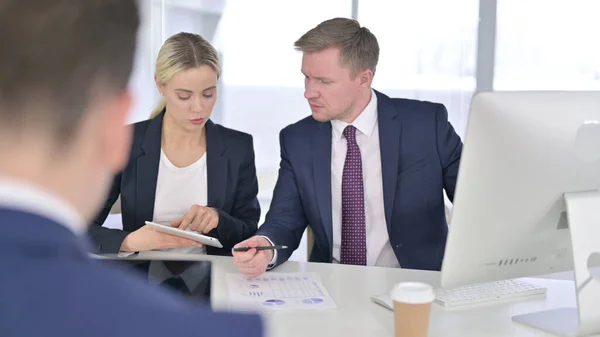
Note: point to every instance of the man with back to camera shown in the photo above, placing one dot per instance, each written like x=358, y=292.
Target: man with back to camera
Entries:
x=366, y=171
x=64, y=102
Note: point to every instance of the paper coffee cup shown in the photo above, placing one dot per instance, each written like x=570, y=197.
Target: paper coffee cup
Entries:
x=412, y=307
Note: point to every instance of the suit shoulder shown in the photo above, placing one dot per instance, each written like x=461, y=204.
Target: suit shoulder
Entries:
x=233, y=133
x=300, y=126
x=139, y=132
x=141, y=126
x=406, y=104
x=237, y=138
x=180, y=312
x=419, y=112
x=120, y=297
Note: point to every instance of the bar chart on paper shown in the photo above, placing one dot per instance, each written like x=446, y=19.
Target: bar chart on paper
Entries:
x=280, y=291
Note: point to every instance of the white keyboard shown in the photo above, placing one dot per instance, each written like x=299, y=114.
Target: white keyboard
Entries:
x=479, y=293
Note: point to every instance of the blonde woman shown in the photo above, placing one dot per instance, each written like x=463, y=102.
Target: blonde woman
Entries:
x=184, y=169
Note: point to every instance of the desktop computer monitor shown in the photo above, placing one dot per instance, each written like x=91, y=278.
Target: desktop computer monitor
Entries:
x=527, y=200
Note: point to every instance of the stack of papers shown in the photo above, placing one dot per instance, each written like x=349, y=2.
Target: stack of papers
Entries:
x=279, y=291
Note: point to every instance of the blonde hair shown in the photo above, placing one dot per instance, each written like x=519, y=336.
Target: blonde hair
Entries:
x=358, y=47
x=183, y=51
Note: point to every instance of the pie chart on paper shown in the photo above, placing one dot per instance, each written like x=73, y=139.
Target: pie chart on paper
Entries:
x=313, y=300
x=271, y=303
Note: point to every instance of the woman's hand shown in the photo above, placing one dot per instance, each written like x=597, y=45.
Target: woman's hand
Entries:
x=148, y=238
x=199, y=218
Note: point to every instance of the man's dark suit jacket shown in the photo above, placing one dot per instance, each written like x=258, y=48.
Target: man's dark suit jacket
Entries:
x=50, y=287
x=420, y=155
x=232, y=186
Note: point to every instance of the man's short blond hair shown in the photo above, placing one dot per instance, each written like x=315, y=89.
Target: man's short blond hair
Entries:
x=358, y=47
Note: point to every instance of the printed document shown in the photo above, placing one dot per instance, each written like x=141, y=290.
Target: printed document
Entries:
x=279, y=291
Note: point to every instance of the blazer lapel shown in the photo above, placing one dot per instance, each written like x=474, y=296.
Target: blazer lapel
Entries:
x=389, y=144
x=216, y=166
x=147, y=171
x=322, y=176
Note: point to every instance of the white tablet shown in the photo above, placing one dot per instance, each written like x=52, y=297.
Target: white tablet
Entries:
x=188, y=234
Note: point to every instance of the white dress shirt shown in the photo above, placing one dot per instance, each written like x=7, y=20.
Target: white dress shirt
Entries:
x=379, y=250
x=26, y=197
x=177, y=190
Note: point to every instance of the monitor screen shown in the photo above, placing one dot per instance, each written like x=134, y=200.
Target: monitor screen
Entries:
x=190, y=278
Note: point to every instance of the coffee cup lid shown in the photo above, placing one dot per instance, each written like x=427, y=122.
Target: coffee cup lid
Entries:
x=412, y=293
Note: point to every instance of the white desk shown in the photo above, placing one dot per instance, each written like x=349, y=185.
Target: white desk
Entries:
x=351, y=287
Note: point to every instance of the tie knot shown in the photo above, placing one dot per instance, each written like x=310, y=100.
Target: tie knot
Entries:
x=350, y=133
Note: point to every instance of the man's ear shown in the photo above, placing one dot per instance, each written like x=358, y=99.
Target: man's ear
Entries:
x=365, y=78
x=116, y=134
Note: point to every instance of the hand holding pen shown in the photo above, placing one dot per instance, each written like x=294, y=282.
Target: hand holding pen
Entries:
x=253, y=255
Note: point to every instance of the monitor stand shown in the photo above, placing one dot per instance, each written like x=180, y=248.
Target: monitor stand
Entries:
x=583, y=212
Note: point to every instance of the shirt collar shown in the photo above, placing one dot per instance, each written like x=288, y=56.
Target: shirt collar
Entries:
x=29, y=198
x=365, y=122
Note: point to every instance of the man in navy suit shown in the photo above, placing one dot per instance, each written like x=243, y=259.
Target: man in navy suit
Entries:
x=367, y=172
x=64, y=69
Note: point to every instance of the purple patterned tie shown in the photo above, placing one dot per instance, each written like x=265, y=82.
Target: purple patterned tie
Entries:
x=354, y=238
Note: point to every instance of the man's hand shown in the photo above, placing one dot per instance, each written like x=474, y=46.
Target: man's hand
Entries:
x=253, y=263
x=147, y=238
x=199, y=218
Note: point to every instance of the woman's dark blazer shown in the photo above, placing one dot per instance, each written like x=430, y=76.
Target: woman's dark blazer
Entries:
x=231, y=177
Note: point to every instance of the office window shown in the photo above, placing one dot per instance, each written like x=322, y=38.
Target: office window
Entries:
x=427, y=50
x=547, y=45
x=141, y=83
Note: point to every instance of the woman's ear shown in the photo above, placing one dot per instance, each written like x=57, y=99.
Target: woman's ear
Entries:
x=159, y=86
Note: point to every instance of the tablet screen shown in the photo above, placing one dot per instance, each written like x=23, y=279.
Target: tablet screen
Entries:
x=190, y=278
